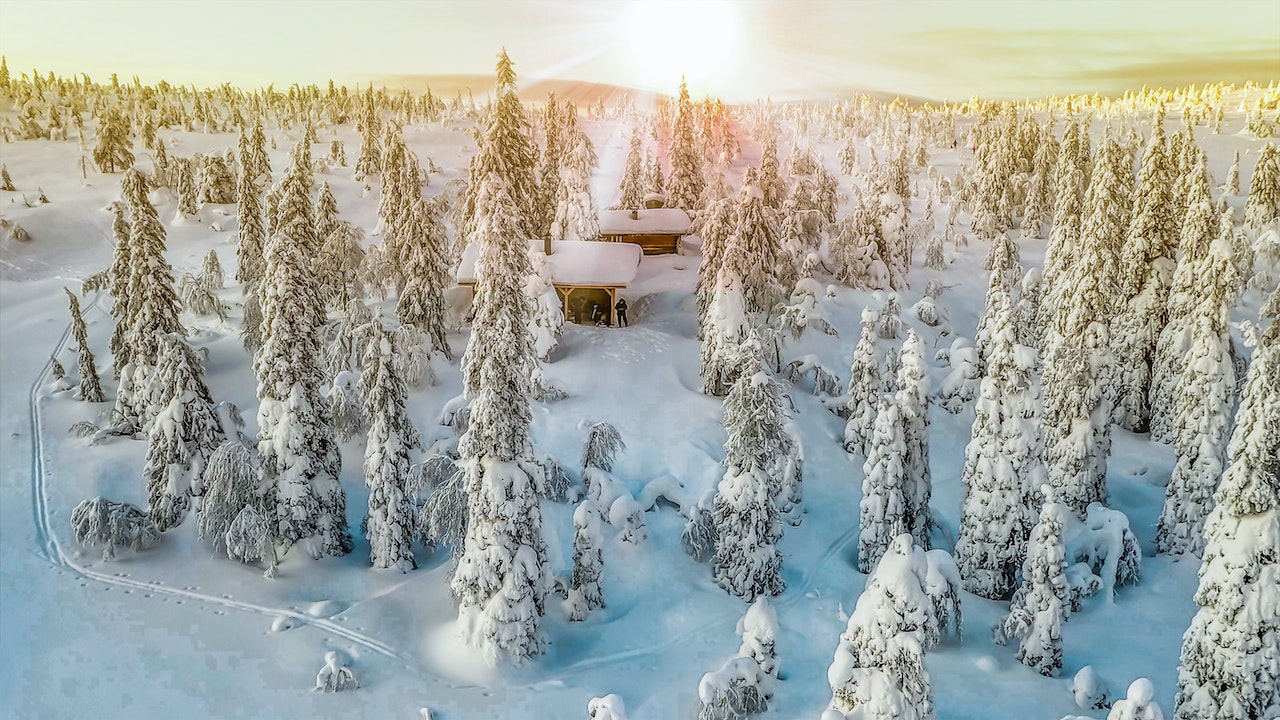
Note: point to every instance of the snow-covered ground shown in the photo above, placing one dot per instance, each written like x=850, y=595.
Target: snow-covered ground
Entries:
x=174, y=632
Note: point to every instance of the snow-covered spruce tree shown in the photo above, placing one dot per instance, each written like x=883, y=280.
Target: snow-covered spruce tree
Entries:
x=1079, y=364
x=426, y=274
x=631, y=190
x=506, y=149
x=554, y=121
x=90, y=383
x=1041, y=603
x=864, y=389
x=855, y=250
x=389, y=524
x=878, y=670
x=251, y=229
x=1039, y=206
x=185, y=432
x=588, y=563
x=1002, y=463
x=186, y=188
x=341, y=252
x=913, y=404
x=746, y=511
x=369, y=163
x=500, y=579
x=229, y=485
x=882, y=510
x=1205, y=392
x=715, y=232
x=211, y=273
x=1146, y=271
x=217, y=184
x=114, y=151
x=296, y=444
x=575, y=209
x=1198, y=231
x=546, y=316
x=686, y=181
x=653, y=181
x=752, y=251
x=1263, y=205
x=151, y=309
x=1064, y=237
x=6, y=182
x=1027, y=307
x=1229, y=666
x=724, y=327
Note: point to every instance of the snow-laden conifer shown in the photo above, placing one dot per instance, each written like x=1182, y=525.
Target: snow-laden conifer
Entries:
x=389, y=524
x=1041, y=604
x=1263, y=205
x=575, y=208
x=296, y=443
x=184, y=433
x=427, y=275
x=588, y=563
x=90, y=383
x=1189, y=287
x=229, y=485
x=686, y=181
x=112, y=525
x=1228, y=668
x=883, y=508
x=500, y=579
x=1002, y=463
x=878, y=670
x=631, y=190
x=864, y=389
x=913, y=404
x=152, y=305
x=747, y=517
x=217, y=184
x=546, y=317
x=752, y=251
x=114, y=150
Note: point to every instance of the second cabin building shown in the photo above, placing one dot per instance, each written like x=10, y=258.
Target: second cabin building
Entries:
x=656, y=230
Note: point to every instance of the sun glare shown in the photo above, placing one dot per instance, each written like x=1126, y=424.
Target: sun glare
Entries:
x=694, y=38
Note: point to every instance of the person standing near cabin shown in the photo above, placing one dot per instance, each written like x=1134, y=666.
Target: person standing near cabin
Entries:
x=621, y=307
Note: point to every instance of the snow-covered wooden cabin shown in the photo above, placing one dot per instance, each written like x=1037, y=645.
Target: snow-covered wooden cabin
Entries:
x=586, y=274
x=657, y=231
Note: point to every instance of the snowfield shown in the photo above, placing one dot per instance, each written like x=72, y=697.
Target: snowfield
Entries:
x=174, y=631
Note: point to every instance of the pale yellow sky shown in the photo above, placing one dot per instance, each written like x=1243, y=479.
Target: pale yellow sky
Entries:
x=783, y=48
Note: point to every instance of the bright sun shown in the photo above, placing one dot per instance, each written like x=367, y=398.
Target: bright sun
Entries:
x=694, y=38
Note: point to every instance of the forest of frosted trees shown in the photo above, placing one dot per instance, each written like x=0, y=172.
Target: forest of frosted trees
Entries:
x=1139, y=320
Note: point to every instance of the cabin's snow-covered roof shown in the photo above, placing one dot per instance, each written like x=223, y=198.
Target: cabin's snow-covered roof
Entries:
x=659, y=221
x=574, y=262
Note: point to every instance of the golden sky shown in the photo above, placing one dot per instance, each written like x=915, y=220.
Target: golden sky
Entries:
x=738, y=50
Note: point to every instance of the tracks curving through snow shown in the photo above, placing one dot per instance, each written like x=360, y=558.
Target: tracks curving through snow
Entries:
x=54, y=552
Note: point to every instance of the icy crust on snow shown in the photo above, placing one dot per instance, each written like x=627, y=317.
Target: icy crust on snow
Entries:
x=574, y=262
x=655, y=221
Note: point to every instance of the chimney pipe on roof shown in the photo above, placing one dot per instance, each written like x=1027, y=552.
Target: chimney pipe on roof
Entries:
x=635, y=214
x=546, y=245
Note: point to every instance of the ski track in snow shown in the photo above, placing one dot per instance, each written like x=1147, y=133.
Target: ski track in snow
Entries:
x=54, y=553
